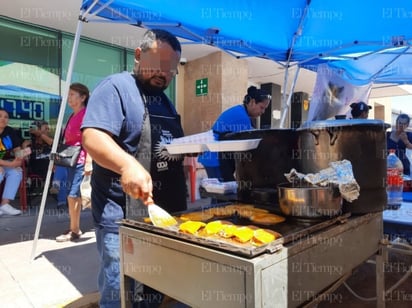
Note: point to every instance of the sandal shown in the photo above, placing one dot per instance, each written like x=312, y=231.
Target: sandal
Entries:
x=68, y=235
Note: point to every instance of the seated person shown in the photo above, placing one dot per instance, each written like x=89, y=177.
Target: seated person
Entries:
x=40, y=144
x=10, y=164
x=39, y=160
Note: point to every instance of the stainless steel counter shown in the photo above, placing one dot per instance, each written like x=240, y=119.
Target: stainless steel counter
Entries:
x=296, y=274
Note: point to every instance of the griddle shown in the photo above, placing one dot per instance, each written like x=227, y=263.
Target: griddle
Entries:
x=291, y=230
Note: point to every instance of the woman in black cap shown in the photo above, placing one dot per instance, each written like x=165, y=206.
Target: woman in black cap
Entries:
x=360, y=110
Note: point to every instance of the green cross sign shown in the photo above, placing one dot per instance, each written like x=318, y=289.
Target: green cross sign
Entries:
x=201, y=87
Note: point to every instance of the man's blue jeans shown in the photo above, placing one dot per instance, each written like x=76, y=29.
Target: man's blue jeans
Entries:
x=108, y=246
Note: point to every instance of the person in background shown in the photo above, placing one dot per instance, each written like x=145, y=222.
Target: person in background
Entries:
x=127, y=118
x=360, y=110
x=40, y=144
x=235, y=119
x=399, y=140
x=11, y=161
x=77, y=100
x=60, y=185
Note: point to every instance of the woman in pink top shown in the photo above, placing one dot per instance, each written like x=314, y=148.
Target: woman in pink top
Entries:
x=77, y=100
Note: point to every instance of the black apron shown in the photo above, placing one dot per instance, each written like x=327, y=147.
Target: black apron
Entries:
x=169, y=183
x=134, y=207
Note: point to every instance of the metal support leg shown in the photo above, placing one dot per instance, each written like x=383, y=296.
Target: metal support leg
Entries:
x=126, y=284
x=381, y=260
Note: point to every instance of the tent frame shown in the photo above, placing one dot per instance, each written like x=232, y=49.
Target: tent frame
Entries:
x=83, y=18
x=57, y=136
x=210, y=37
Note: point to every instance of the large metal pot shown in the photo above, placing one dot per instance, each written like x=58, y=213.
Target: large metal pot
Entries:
x=265, y=166
x=362, y=142
x=309, y=201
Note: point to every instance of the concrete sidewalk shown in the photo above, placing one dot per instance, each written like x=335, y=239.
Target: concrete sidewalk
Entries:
x=60, y=273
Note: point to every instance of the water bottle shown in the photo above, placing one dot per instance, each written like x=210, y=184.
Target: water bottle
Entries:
x=394, y=180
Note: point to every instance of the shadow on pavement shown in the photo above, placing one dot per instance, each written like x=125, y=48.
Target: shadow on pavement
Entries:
x=78, y=264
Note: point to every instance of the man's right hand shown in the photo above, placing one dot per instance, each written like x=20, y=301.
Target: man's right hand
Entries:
x=134, y=178
x=137, y=182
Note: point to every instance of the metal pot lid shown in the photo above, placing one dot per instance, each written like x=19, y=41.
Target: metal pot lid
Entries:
x=343, y=122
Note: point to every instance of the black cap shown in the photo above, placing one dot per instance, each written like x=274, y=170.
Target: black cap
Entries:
x=358, y=108
x=361, y=106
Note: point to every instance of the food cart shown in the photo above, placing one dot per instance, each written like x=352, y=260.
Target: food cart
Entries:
x=313, y=256
x=304, y=268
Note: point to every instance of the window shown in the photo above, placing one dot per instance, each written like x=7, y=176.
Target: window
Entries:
x=34, y=65
x=29, y=79
x=29, y=44
x=94, y=61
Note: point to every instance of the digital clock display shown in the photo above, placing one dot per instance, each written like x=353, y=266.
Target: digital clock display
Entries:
x=23, y=109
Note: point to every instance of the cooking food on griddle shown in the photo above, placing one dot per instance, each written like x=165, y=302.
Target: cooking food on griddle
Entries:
x=261, y=236
x=213, y=227
x=267, y=218
x=221, y=211
x=227, y=231
x=242, y=210
x=198, y=215
x=191, y=227
x=247, y=211
x=243, y=234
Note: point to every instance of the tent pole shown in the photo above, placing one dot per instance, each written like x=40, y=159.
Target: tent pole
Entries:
x=297, y=34
x=57, y=135
x=285, y=110
x=284, y=103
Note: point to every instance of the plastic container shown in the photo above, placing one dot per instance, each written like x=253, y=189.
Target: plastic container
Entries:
x=394, y=180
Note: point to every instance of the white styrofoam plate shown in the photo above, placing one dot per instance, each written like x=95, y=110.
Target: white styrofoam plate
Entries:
x=233, y=145
x=185, y=148
x=216, y=146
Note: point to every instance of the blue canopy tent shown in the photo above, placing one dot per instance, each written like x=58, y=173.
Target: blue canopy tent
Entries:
x=391, y=65
x=283, y=31
x=299, y=33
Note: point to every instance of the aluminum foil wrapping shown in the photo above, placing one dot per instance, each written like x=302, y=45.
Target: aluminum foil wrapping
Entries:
x=339, y=173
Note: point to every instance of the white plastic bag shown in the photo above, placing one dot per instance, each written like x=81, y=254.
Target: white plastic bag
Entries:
x=86, y=191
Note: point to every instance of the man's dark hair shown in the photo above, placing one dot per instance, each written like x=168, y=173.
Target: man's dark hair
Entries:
x=164, y=36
